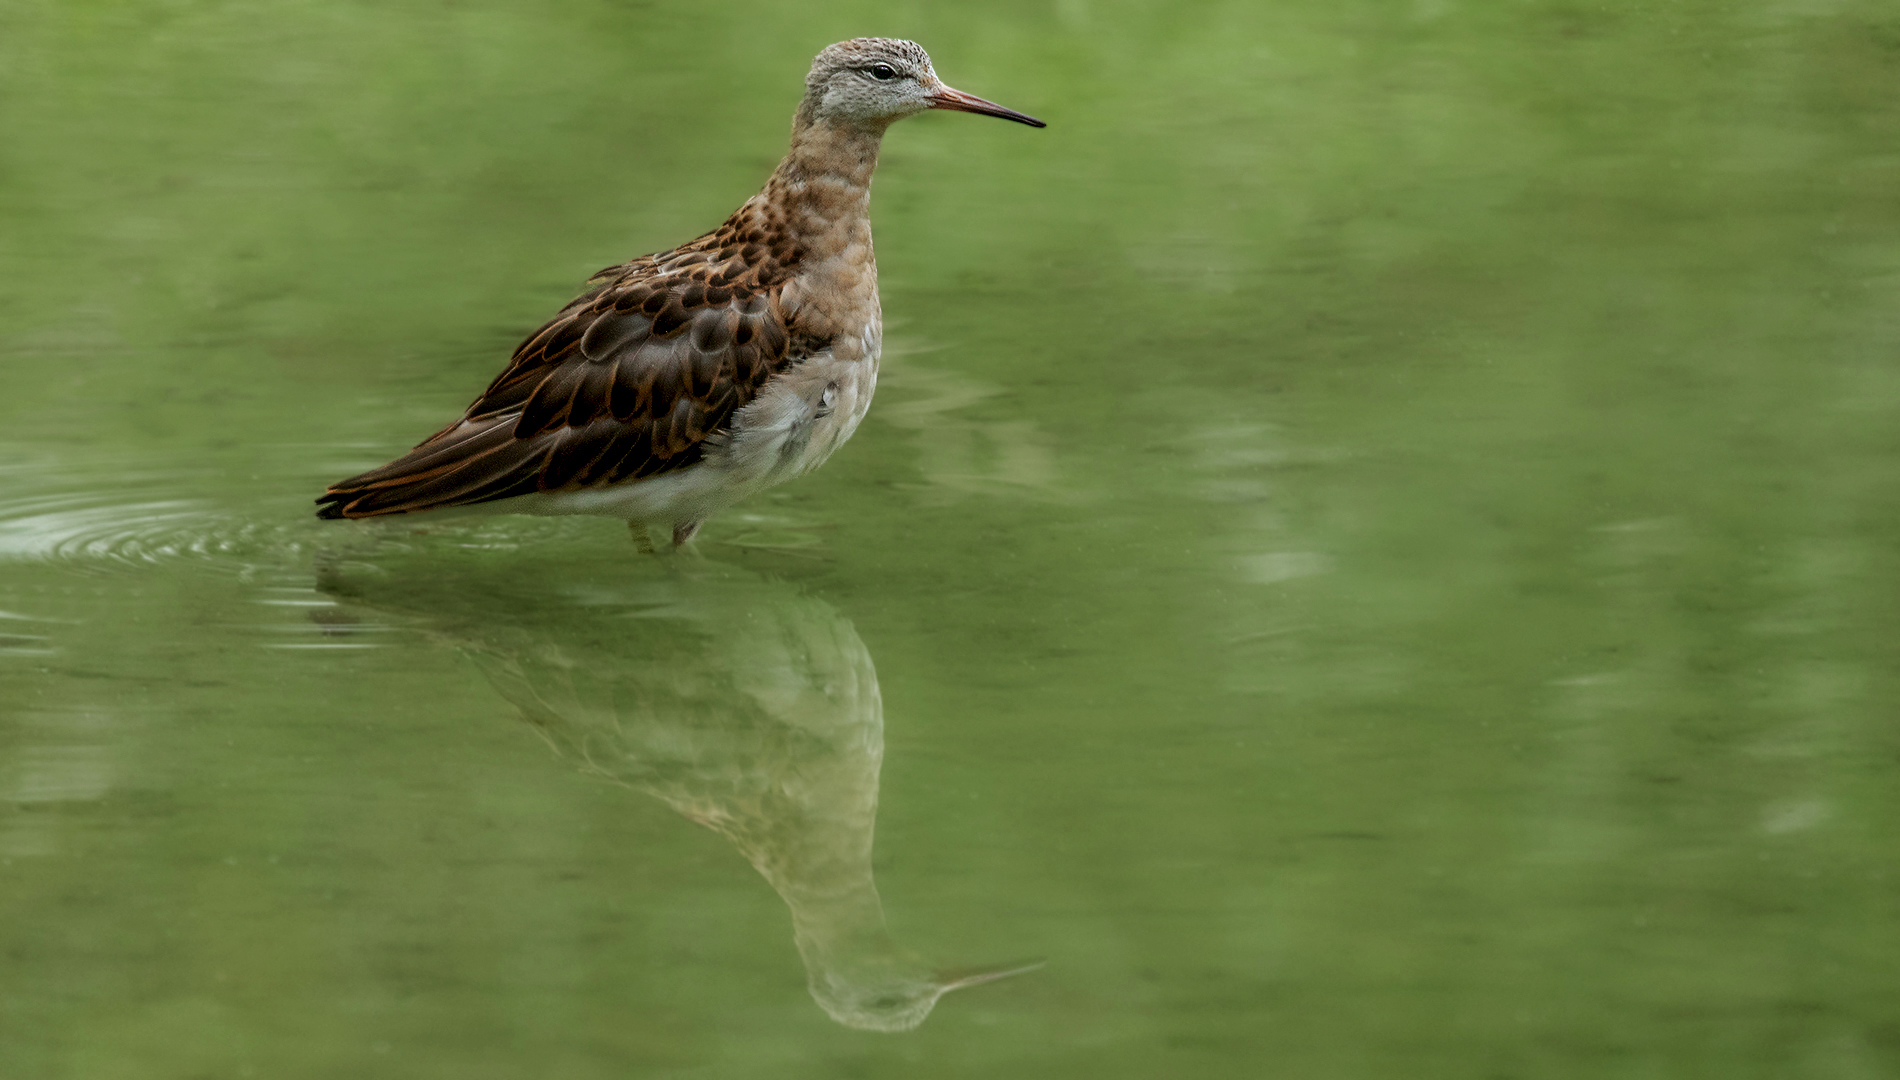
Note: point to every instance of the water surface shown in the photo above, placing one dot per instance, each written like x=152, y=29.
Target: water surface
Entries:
x=1374, y=554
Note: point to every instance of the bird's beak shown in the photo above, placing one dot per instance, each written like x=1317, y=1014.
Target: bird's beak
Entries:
x=946, y=98
x=966, y=977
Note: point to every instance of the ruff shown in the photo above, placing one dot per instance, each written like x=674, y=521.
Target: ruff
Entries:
x=684, y=381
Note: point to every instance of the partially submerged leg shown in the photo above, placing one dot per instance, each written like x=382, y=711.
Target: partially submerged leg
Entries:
x=642, y=541
x=684, y=531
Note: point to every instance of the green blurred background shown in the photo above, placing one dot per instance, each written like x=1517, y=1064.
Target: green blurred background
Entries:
x=1377, y=545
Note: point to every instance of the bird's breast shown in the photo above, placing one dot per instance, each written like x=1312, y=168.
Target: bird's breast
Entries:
x=833, y=297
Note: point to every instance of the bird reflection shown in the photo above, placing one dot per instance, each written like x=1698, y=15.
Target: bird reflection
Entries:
x=747, y=707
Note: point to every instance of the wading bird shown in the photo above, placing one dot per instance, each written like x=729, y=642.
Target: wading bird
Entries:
x=684, y=381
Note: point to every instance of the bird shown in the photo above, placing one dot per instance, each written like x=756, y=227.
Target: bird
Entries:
x=680, y=382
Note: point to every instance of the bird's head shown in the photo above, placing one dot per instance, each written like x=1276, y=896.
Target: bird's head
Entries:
x=874, y=81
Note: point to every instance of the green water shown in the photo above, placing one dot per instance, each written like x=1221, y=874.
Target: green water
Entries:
x=1375, y=554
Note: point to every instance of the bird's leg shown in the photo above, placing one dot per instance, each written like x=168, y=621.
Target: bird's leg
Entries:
x=641, y=541
x=684, y=531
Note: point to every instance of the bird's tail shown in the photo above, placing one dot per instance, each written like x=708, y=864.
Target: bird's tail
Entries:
x=470, y=462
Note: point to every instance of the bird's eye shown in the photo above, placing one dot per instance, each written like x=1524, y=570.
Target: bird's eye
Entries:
x=881, y=72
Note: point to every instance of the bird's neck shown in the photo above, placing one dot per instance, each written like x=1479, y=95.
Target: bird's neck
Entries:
x=821, y=192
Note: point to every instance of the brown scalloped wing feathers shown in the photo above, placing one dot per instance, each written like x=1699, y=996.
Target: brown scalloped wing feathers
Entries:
x=628, y=381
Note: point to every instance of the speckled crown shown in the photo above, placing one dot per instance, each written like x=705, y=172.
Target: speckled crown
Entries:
x=862, y=52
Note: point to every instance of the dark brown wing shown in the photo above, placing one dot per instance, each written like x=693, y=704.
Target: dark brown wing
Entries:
x=628, y=381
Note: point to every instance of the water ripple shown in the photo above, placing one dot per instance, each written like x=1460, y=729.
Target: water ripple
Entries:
x=97, y=515
x=94, y=530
